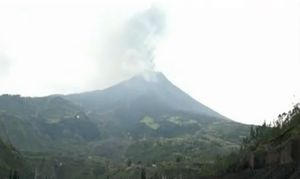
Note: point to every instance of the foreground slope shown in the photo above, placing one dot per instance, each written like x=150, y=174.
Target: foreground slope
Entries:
x=12, y=163
x=269, y=151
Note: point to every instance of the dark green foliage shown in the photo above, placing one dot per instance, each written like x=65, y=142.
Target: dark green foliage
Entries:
x=15, y=175
x=282, y=127
x=12, y=163
x=260, y=141
x=129, y=162
x=143, y=173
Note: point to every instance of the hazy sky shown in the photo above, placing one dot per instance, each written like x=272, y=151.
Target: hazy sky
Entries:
x=239, y=57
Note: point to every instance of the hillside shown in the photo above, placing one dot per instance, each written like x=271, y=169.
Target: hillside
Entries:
x=12, y=162
x=270, y=151
x=155, y=95
x=146, y=108
x=39, y=124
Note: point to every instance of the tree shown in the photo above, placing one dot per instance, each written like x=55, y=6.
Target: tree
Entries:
x=15, y=175
x=10, y=174
x=129, y=162
x=143, y=173
x=252, y=132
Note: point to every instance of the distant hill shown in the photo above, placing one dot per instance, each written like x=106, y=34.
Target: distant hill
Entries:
x=40, y=124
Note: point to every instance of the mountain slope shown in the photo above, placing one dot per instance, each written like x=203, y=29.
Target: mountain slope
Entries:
x=12, y=162
x=143, y=107
x=270, y=151
x=38, y=124
x=157, y=94
x=146, y=112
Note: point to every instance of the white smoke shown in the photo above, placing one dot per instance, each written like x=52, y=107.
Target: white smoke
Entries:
x=131, y=50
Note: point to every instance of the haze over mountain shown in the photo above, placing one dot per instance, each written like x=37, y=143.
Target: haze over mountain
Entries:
x=145, y=94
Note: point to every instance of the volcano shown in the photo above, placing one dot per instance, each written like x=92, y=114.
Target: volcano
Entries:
x=143, y=94
x=146, y=105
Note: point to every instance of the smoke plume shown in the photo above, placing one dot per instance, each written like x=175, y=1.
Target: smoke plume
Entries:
x=132, y=48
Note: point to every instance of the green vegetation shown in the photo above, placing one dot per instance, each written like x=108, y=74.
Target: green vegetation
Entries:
x=179, y=121
x=287, y=125
x=12, y=164
x=150, y=122
x=266, y=146
x=58, y=138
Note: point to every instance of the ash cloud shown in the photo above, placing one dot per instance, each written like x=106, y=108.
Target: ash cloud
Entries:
x=132, y=49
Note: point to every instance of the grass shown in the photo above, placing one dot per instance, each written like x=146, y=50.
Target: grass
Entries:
x=180, y=122
x=150, y=122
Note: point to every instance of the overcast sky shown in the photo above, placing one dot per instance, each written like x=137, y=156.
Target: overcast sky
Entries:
x=239, y=57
